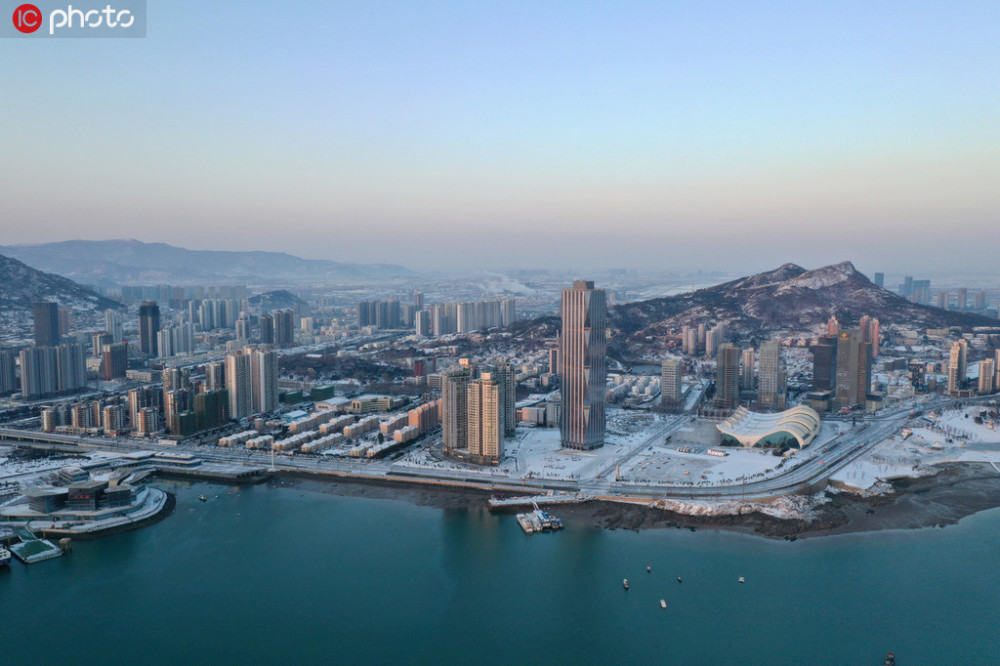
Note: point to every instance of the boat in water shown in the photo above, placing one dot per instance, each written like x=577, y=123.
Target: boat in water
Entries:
x=663, y=603
x=538, y=521
x=203, y=498
x=649, y=569
x=4, y=556
x=890, y=659
x=679, y=580
x=742, y=579
x=625, y=583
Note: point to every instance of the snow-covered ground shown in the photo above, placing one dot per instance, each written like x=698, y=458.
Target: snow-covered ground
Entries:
x=953, y=436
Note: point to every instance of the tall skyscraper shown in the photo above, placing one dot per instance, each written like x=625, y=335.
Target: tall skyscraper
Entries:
x=266, y=330
x=583, y=348
x=854, y=369
x=505, y=375
x=671, y=384
x=239, y=384
x=727, y=382
x=47, y=325
x=39, y=372
x=958, y=366
x=455, y=406
x=71, y=367
x=215, y=376
x=264, y=379
x=825, y=363
x=284, y=328
x=509, y=311
x=485, y=418
x=149, y=326
x=746, y=369
x=987, y=370
x=113, y=325
x=963, y=298
x=833, y=326
x=114, y=361
x=880, y=279
x=772, y=376
x=8, y=375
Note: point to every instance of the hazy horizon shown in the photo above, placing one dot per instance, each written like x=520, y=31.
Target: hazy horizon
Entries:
x=714, y=136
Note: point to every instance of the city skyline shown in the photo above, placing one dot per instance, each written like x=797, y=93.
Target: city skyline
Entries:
x=638, y=130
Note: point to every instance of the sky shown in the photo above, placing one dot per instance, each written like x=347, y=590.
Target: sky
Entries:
x=672, y=135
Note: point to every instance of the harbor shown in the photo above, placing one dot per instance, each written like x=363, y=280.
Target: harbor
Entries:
x=538, y=521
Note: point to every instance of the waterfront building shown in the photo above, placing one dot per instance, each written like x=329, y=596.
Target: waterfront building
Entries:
x=853, y=376
x=485, y=421
x=583, y=347
x=239, y=384
x=455, y=406
x=264, y=379
x=795, y=428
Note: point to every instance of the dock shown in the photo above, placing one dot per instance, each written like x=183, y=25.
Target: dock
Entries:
x=511, y=503
x=31, y=549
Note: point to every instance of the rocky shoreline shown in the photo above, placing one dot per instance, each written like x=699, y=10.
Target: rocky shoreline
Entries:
x=956, y=491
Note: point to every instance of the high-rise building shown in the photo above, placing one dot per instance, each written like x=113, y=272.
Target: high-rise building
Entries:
x=671, y=384
x=506, y=377
x=727, y=382
x=554, y=360
x=149, y=326
x=71, y=365
x=422, y=321
x=583, y=348
x=880, y=279
x=941, y=300
x=114, y=361
x=772, y=376
x=97, y=342
x=957, y=366
x=114, y=419
x=165, y=345
x=239, y=385
x=418, y=299
x=509, y=311
x=853, y=369
x=284, y=328
x=455, y=406
x=211, y=409
x=987, y=371
x=8, y=374
x=243, y=329
x=39, y=372
x=266, y=330
x=264, y=379
x=485, y=418
x=113, y=325
x=833, y=326
x=65, y=321
x=215, y=376
x=47, y=325
x=963, y=298
x=979, y=300
x=746, y=369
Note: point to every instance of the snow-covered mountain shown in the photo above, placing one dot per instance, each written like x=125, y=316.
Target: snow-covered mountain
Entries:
x=788, y=298
x=21, y=286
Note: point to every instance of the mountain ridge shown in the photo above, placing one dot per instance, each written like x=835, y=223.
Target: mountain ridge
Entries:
x=114, y=262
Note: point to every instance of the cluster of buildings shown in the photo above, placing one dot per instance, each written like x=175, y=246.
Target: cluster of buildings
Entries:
x=478, y=410
x=437, y=320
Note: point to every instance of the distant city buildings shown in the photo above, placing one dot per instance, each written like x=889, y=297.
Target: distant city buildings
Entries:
x=583, y=348
x=772, y=391
x=853, y=377
x=671, y=383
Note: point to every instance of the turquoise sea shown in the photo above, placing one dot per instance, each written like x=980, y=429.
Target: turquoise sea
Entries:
x=287, y=576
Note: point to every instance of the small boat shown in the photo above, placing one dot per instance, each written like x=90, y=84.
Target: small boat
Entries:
x=4, y=556
x=648, y=568
x=625, y=583
x=663, y=603
x=203, y=498
x=890, y=659
x=742, y=579
x=679, y=580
